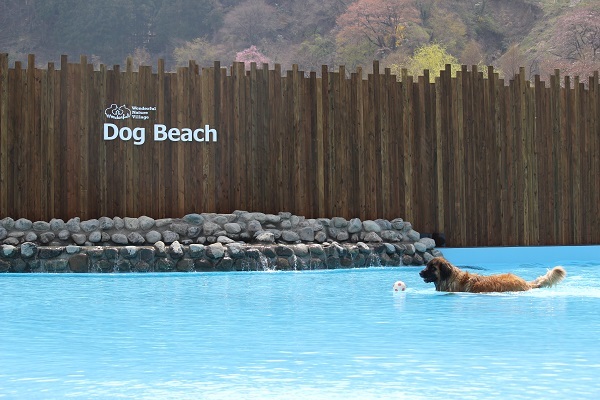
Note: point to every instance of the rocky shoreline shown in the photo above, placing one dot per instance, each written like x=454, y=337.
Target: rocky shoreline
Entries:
x=240, y=241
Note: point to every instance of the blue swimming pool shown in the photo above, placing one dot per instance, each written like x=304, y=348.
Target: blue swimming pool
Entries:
x=338, y=334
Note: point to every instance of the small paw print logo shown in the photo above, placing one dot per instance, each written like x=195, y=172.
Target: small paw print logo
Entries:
x=117, y=112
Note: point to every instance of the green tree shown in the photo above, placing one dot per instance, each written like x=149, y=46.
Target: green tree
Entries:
x=353, y=55
x=432, y=57
x=315, y=52
x=200, y=50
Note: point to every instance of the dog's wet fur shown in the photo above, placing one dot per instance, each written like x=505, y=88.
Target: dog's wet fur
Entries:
x=450, y=278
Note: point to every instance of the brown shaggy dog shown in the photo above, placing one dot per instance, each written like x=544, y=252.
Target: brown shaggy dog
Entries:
x=449, y=278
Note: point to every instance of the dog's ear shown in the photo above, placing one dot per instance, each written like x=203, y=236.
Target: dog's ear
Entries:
x=445, y=269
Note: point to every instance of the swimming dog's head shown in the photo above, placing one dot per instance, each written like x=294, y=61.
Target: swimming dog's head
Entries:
x=436, y=270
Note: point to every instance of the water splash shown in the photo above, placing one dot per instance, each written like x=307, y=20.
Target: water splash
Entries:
x=295, y=263
x=263, y=263
x=373, y=260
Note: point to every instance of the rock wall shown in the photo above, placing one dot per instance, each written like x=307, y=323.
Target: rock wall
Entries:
x=214, y=257
x=208, y=242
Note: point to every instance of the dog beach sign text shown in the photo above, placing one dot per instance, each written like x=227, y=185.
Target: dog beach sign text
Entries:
x=160, y=132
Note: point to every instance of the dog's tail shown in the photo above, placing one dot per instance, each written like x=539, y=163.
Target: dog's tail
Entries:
x=552, y=277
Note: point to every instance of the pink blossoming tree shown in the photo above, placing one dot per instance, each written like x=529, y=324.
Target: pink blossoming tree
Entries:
x=250, y=55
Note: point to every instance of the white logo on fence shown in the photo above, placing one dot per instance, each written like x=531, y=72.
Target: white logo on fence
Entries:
x=161, y=132
x=116, y=112
x=124, y=112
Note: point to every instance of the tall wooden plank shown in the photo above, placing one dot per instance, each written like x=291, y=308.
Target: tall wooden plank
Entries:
x=193, y=122
x=28, y=140
x=593, y=213
x=159, y=153
x=386, y=172
x=556, y=130
x=251, y=130
x=145, y=151
x=533, y=238
x=50, y=131
x=129, y=87
x=419, y=189
x=194, y=162
x=547, y=191
x=325, y=154
x=32, y=142
x=565, y=181
x=209, y=151
x=576, y=161
x=61, y=187
x=75, y=149
x=261, y=134
x=377, y=155
x=340, y=189
x=277, y=138
x=467, y=173
x=360, y=104
x=428, y=153
x=12, y=106
x=101, y=84
x=56, y=128
x=4, y=116
x=170, y=150
x=595, y=156
x=4, y=153
x=117, y=149
x=182, y=93
x=491, y=199
x=515, y=163
x=407, y=130
x=522, y=174
x=313, y=143
x=481, y=131
x=585, y=165
x=320, y=146
x=358, y=156
x=80, y=109
x=15, y=89
x=541, y=151
x=221, y=174
x=305, y=145
x=369, y=160
x=459, y=170
x=239, y=138
x=533, y=166
x=396, y=153
x=245, y=114
x=439, y=159
x=227, y=135
x=332, y=150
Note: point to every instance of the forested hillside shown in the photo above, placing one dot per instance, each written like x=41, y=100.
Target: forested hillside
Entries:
x=540, y=35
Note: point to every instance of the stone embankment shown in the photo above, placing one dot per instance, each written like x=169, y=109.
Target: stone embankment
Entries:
x=208, y=242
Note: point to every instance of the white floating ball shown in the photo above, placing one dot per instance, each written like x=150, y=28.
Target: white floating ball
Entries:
x=399, y=286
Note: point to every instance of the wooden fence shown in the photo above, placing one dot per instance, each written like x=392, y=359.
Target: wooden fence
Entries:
x=484, y=161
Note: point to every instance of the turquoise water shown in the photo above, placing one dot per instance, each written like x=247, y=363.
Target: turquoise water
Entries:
x=339, y=334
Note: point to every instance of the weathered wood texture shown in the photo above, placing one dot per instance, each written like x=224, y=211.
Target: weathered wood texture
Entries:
x=485, y=161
